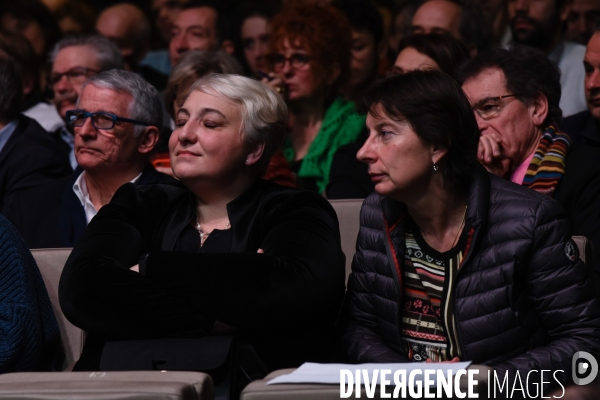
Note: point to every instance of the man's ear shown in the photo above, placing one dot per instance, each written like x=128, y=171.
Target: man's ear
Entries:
x=539, y=109
x=228, y=46
x=149, y=139
x=255, y=155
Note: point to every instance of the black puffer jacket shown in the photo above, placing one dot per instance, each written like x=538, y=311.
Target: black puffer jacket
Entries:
x=522, y=298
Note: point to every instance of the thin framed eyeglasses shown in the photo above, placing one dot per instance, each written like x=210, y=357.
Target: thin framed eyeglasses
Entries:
x=100, y=120
x=297, y=60
x=74, y=75
x=490, y=107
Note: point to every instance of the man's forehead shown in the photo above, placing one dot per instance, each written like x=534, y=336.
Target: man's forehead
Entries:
x=196, y=16
x=75, y=56
x=490, y=82
x=97, y=98
x=592, y=52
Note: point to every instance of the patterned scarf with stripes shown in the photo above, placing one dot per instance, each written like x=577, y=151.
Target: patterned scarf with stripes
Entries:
x=548, y=164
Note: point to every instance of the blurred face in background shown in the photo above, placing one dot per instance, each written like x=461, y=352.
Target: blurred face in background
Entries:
x=194, y=29
x=536, y=22
x=255, y=43
x=71, y=68
x=409, y=59
x=31, y=29
x=365, y=58
x=298, y=70
x=591, y=63
x=582, y=20
x=165, y=12
x=437, y=16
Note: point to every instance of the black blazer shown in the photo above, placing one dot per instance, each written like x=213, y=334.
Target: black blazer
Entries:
x=285, y=302
x=51, y=215
x=31, y=157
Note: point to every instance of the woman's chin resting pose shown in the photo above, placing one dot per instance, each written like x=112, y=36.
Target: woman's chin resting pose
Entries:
x=454, y=263
x=222, y=251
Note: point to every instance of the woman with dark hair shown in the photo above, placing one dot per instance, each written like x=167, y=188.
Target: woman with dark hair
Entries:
x=310, y=58
x=349, y=178
x=252, y=36
x=454, y=263
x=433, y=51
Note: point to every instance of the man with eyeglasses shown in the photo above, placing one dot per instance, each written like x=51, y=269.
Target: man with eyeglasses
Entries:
x=75, y=59
x=116, y=123
x=515, y=96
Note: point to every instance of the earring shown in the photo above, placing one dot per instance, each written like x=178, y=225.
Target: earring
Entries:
x=435, y=168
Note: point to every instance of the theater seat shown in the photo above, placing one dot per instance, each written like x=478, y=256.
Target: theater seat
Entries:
x=348, y=212
x=51, y=263
x=136, y=385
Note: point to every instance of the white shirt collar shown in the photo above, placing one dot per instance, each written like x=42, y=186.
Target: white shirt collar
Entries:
x=81, y=191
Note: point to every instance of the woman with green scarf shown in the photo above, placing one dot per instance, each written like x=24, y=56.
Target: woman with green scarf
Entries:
x=310, y=61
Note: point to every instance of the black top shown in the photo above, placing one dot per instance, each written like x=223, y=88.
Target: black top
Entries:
x=284, y=302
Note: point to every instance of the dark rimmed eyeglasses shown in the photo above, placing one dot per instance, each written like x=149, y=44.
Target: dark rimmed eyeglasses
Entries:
x=100, y=120
x=490, y=107
x=297, y=60
x=74, y=75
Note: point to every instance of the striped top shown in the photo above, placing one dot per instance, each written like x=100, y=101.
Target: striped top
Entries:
x=428, y=327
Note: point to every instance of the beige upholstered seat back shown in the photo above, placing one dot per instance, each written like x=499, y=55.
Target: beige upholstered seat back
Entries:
x=348, y=212
x=51, y=263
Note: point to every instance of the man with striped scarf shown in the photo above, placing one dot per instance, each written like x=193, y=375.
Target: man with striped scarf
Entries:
x=515, y=96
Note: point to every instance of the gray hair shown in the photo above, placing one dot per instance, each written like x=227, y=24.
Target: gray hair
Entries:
x=196, y=64
x=108, y=54
x=145, y=104
x=264, y=112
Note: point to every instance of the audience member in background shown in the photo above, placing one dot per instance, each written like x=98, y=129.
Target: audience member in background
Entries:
x=310, y=58
x=368, y=46
x=75, y=59
x=349, y=178
x=583, y=17
x=126, y=25
x=584, y=127
x=401, y=24
x=521, y=300
x=200, y=26
x=18, y=48
x=252, y=37
x=29, y=156
x=496, y=13
x=515, y=95
x=116, y=122
x=30, y=334
x=271, y=266
x=432, y=51
x=33, y=20
x=75, y=17
x=539, y=24
x=465, y=22
x=165, y=12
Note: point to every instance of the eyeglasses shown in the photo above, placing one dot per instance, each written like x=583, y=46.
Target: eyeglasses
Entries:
x=490, y=107
x=100, y=120
x=76, y=75
x=297, y=60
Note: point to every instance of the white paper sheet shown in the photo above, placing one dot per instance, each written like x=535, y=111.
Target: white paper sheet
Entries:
x=330, y=373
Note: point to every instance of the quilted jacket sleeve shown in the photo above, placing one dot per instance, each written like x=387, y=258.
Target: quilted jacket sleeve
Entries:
x=362, y=340
x=562, y=296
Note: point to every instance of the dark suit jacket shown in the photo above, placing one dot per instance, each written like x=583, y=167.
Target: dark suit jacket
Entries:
x=30, y=158
x=579, y=193
x=51, y=215
x=583, y=128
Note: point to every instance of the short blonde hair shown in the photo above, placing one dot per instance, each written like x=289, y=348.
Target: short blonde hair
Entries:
x=264, y=112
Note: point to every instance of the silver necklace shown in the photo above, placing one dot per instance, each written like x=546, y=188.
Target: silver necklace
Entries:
x=203, y=234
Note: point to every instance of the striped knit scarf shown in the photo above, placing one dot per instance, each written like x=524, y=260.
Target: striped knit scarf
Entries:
x=548, y=163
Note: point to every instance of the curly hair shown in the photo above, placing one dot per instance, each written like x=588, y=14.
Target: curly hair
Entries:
x=319, y=28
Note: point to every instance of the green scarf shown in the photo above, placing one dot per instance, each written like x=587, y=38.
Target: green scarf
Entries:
x=341, y=125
